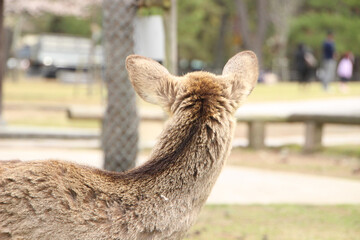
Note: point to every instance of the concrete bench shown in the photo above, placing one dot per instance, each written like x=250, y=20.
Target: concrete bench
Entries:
x=256, y=124
x=314, y=124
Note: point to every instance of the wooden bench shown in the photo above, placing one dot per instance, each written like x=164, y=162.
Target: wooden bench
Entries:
x=314, y=124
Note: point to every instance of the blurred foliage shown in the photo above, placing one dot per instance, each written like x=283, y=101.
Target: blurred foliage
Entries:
x=150, y=11
x=63, y=24
x=319, y=16
x=199, y=21
x=199, y=27
x=69, y=24
x=199, y=24
x=277, y=221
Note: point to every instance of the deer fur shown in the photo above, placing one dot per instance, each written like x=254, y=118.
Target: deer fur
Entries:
x=158, y=200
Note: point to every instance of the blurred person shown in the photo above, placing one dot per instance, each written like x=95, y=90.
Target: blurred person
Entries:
x=304, y=63
x=329, y=62
x=345, y=71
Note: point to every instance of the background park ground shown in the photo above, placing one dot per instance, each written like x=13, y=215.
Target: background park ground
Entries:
x=37, y=102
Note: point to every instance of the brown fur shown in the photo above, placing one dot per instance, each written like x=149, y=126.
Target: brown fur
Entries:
x=158, y=200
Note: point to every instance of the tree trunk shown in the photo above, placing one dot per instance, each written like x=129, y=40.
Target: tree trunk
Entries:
x=170, y=22
x=2, y=55
x=281, y=12
x=120, y=125
x=220, y=45
x=253, y=40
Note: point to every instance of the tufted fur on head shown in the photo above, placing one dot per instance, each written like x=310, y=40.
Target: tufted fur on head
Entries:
x=156, y=85
x=157, y=200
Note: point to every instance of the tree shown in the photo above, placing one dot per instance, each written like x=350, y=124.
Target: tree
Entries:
x=219, y=53
x=198, y=29
x=253, y=37
x=2, y=54
x=120, y=125
x=281, y=12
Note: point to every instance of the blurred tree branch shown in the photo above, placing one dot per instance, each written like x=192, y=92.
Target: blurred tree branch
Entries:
x=281, y=11
x=58, y=7
x=219, y=53
x=253, y=39
x=154, y=3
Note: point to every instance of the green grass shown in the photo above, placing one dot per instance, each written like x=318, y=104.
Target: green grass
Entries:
x=52, y=92
x=277, y=222
x=348, y=150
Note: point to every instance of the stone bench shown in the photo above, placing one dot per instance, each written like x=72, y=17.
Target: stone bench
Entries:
x=314, y=124
x=256, y=124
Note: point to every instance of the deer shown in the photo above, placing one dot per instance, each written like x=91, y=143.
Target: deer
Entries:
x=160, y=199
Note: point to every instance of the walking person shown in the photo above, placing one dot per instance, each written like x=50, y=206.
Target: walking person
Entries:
x=329, y=62
x=345, y=71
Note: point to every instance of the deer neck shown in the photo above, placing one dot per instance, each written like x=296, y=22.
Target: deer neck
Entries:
x=189, y=155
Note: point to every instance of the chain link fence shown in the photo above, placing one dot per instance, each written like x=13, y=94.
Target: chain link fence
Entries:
x=120, y=125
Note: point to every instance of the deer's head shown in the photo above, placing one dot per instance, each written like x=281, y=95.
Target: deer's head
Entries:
x=156, y=85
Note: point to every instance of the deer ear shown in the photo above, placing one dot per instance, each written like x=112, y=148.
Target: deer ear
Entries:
x=242, y=72
x=150, y=79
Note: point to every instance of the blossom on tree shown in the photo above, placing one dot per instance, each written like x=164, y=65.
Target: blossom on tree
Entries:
x=58, y=7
